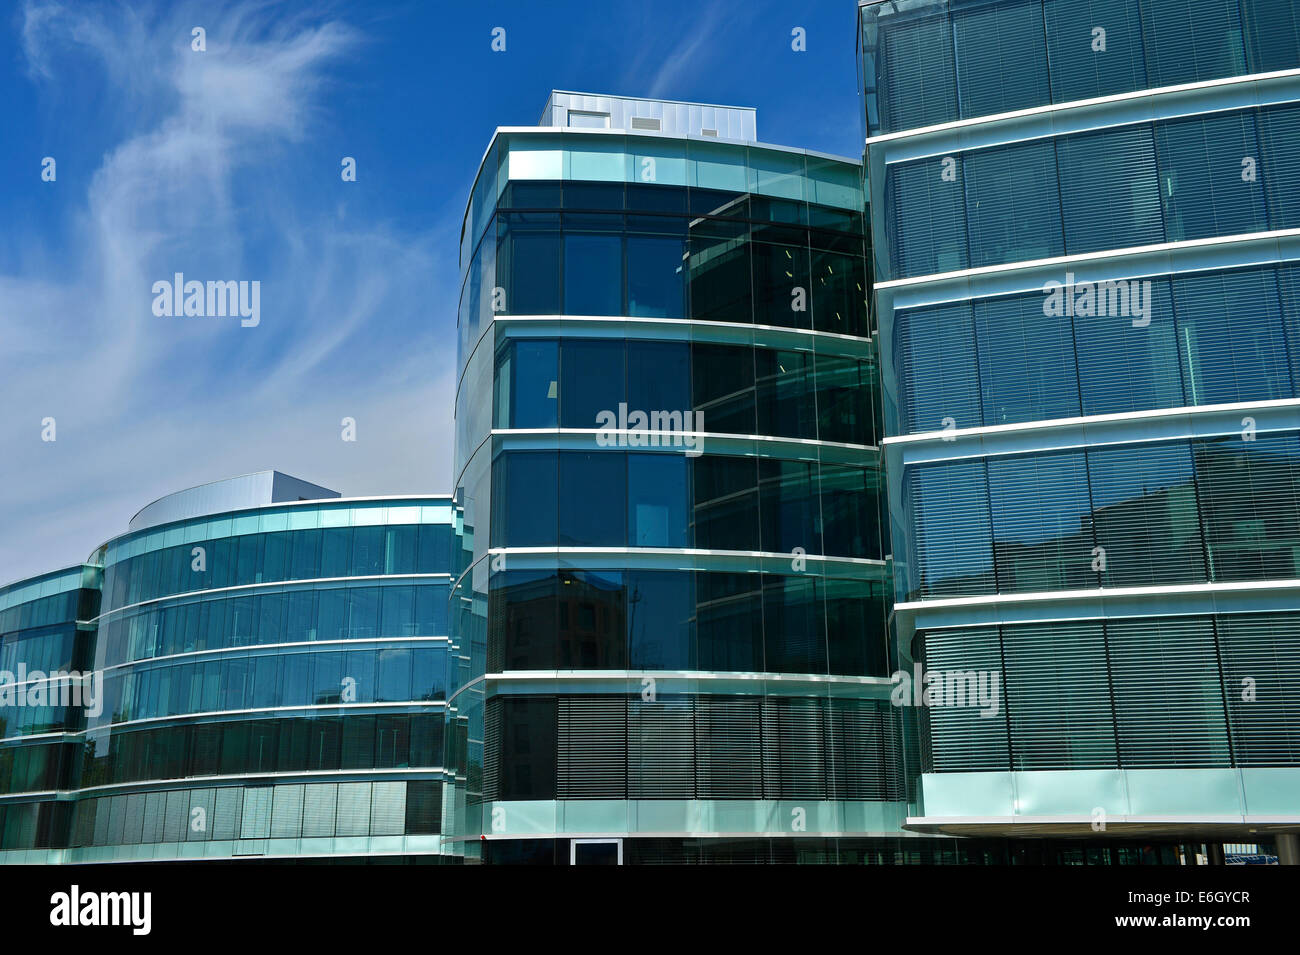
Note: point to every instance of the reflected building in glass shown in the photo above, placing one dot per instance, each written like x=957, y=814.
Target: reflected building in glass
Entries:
x=275, y=663
x=1087, y=272
x=675, y=592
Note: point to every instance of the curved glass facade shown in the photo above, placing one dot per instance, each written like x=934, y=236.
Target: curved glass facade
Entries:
x=1087, y=287
x=273, y=683
x=675, y=596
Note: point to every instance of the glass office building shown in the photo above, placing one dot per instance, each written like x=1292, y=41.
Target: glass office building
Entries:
x=273, y=665
x=1085, y=223
x=675, y=590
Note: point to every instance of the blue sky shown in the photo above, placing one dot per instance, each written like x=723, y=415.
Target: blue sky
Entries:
x=224, y=164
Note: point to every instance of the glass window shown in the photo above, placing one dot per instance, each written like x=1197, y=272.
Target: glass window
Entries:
x=593, y=274
x=593, y=379
x=719, y=278
x=925, y=202
x=522, y=624
x=592, y=621
x=1144, y=512
x=397, y=612
x=658, y=376
x=789, y=506
x=660, y=613
x=1027, y=365
x=1013, y=208
x=794, y=625
x=730, y=622
x=786, y=393
x=948, y=532
x=1079, y=70
x=726, y=503
x=534, y=382
x=1001, y=55
x=1110, y=190
x=723, y=387
x=1042, y=522
x=656, y=285
x=534, y=271
x=1243, y=359
x=593, y=496
x=524, y=499
x=394, y=675
x=1203, y=176
x=658, y=499
x=851, y=507
x=857, y=632
x=1191, y=40
x=845, y=398
x=781, y=285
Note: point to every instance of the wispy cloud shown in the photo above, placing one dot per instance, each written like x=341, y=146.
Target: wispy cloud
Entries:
x=199, y=183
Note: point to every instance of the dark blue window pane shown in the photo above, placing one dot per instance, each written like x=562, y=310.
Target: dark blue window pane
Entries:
x=1232, y=342
x=655, y=277
x=593, y=275
x=949, y=535
x=593, y=499
x=660, y=613
x=394, y=675
x=789, y=506
x=1042, y=527
x=430, y=610
x=780, y=270
x=1144, y=513
x=1279, y=131
x=786, y=393
x=522, y=624
x=857, y=632
x=658, y=499
x=1272, y=34
x=936, y=367
x=592, y=621
x=534, y=270
x=794, y=625
x=592, y=380
x=1206, y=189
x=719, y=277
x=1250, y=505
x=915, y=72
x=1013, y=209
x=367, y=551
x=1001, y=55
x=845, y=393
x=397, y=611
x=1190, y=40
x=726, y=503
x=658, y=376
x=730, y=622
x=926, y=212
x=535, y=384
x=1110, y=196
x=1127, y=367
x=524, y=495
x=1078, y=69
x=723, y=387
x=851, y=508
x=1027, y=366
